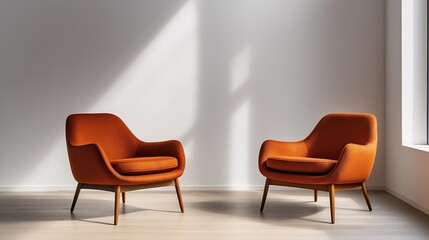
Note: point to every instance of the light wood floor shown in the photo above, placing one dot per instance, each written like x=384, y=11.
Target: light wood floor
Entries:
x=148, y=214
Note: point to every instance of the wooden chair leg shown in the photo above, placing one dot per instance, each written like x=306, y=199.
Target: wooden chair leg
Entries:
x=315, y=195
x=264, y=196
x=123, y=197
x=117, y=199
x=365, y=195
x=332, y=202
x=76, y=195
x=179, y=194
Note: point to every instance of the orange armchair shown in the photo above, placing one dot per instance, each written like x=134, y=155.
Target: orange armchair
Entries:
x=338, y=154
x=104, y=154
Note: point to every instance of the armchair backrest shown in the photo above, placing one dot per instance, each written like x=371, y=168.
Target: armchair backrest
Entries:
x=336, y=130
x=104, y=129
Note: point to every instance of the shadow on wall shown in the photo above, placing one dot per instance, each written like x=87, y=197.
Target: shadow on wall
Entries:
x=216, y=75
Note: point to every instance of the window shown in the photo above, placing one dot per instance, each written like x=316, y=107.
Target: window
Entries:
x=415, y=130
x=427, y=74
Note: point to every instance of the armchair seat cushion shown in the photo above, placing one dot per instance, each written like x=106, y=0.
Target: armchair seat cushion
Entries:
x=144, y=165
x=305, y=165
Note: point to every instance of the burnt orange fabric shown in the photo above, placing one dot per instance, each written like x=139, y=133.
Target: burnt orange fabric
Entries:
x=93, y=140
x=144, y=165
x=300, y=164
x=349, y=138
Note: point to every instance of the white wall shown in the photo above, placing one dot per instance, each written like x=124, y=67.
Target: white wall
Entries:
x=406, y=168
x=221, y=76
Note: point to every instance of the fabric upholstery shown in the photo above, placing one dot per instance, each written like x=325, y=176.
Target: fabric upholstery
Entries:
x=301, y=164
x=94, y=140
x=144, y=165
x=348, y=138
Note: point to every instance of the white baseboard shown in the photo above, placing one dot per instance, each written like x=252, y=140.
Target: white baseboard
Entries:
x=221, y=187
x=407, y=200
x=37, y=188
x=250, y=187
x=42, y=188
x=375, y=188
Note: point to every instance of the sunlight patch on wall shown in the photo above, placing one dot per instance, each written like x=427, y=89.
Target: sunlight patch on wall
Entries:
x=239, y=137
x=240, y=122
x=53, y=162
x=240, y=67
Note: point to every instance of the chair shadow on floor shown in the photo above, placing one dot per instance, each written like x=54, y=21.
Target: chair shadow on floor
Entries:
x=277, y=211
x=280, y=207
x=20, y=208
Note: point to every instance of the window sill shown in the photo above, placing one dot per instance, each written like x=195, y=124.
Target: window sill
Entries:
x=422, y=147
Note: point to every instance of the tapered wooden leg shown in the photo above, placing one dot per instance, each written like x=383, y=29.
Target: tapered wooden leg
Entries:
x=123, y=197
x=76, y=195
x=365, y=195
x=117, y=199
x=332, y=202
x=315, y=195
x=264, y=196
x=179, y=194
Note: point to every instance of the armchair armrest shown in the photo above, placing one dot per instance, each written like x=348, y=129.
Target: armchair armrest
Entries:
x=89, y=164
x=354, y=164
x=277, y=148
x=171, y=148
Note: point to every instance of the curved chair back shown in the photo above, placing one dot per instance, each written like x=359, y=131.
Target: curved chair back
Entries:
x=104, y=129
x=336, y=130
